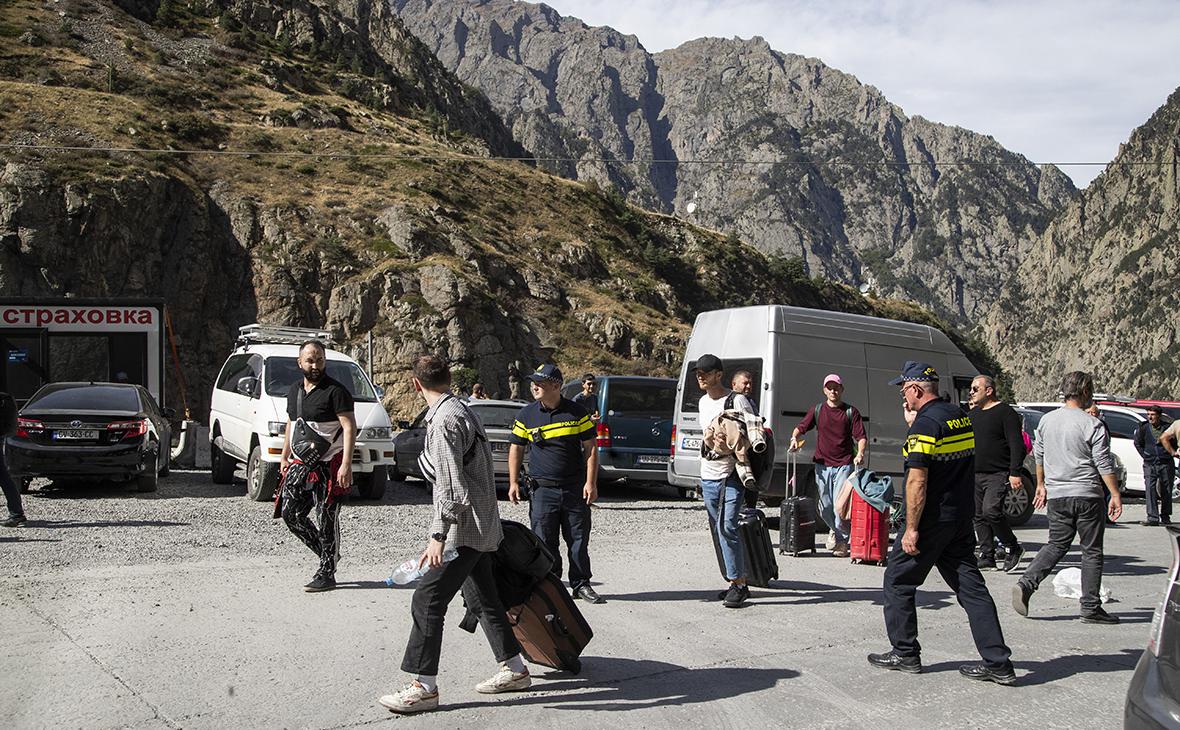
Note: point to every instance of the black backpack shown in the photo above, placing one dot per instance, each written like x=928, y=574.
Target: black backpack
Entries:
x=7, y=414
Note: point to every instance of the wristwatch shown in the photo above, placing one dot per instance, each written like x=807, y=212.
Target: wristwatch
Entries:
x=439, y=536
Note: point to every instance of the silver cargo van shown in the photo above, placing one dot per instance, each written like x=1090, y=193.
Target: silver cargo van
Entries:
x=789, y=350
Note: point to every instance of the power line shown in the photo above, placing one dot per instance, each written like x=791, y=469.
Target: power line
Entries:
x=735, y=162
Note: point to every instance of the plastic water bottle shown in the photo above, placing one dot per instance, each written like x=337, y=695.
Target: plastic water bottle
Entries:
x=409, y=571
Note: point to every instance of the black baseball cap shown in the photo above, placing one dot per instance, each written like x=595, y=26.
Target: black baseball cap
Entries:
x=708, y=364
x=916, y=372
x=548, y=371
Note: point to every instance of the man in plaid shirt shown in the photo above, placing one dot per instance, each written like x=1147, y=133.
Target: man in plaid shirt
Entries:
x=456, y=458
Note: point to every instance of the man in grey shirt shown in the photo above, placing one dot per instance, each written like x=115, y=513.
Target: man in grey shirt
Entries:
x=1073, y=463
x=456, y=458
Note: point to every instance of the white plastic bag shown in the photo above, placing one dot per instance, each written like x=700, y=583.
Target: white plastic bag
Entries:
x=1068, y=584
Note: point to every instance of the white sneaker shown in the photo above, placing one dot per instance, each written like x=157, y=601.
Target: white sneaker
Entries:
x=505, y=680
x=830, y=543
x=410, y=699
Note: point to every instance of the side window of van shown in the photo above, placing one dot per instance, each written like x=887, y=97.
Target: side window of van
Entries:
x=690, y=396
x=236, y=368
x=1120, y=424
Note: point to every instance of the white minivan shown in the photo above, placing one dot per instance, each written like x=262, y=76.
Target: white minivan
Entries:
x=248, y=415
x=789, y=350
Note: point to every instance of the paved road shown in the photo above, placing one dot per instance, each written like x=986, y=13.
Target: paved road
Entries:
x=184, y=609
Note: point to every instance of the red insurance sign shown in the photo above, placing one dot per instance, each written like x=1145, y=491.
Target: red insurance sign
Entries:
x=79, y=319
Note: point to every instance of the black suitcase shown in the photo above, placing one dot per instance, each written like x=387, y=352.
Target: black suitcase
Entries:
x=757, y=548
x=796, y=522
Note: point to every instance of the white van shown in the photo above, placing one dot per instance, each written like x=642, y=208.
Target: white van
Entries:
x=789, y=350
x=248, y=415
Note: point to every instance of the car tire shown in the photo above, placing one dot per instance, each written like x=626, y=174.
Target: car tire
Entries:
x=262, y=477
x=147, y=482
x=372, y=486
x=1018, y=503
x=221, y=466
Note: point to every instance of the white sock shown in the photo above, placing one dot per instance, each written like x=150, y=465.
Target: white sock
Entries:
x=516, y=664
x=428, y=682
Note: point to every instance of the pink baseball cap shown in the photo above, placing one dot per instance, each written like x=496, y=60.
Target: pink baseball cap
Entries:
x=833, y=378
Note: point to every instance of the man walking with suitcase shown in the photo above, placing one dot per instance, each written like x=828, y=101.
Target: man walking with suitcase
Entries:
x=940, y=502
x=839, y=430
x=999, y=459
x=456, y=458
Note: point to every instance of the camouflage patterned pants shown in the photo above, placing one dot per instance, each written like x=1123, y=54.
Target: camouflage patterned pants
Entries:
x=304, y=490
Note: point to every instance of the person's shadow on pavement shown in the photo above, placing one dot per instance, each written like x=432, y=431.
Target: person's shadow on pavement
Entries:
x=1029, y=674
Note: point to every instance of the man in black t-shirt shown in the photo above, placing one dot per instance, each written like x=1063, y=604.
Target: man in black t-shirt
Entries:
x=939, y=495
x=999, y=459
x=321, y=406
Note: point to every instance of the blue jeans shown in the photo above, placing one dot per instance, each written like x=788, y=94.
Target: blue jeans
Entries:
x=828, y=480
x=727, y=529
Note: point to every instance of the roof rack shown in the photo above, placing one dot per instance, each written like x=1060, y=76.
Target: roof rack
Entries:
x=1113, y=398
x=279, y=335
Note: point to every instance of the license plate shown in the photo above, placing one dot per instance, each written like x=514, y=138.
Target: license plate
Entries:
x=690, y=443
x=499, y=447
x=74, y=434
x=651, y=459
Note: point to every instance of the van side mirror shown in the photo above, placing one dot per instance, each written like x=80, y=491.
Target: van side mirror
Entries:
x=248, y=386
x=380, y=391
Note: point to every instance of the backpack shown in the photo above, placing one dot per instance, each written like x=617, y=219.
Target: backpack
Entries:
x=7, y=415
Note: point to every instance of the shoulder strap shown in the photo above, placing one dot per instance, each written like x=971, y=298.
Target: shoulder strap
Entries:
x=818, y=406
x=729, y=401
x=469, y=454
x=299, y=403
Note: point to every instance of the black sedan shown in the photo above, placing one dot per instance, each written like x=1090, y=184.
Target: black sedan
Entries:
x=91, y=431
x=1153, y=699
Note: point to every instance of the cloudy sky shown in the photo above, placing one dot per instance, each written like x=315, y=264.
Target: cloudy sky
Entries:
x=1057, y=81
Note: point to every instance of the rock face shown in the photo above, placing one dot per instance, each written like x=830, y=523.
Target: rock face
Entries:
x=857, y=189
x=1098, y=291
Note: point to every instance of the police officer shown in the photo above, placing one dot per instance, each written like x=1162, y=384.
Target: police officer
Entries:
x=563, y=473
x=940, y=503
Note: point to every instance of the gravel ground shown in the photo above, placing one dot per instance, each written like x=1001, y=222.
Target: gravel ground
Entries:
x=78, y=526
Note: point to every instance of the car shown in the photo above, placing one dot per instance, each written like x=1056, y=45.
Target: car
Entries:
x=248, y=412
x=1153, y=698
x=496, y=416
x=1031, y=419
x=92, y=431
x=634, y=428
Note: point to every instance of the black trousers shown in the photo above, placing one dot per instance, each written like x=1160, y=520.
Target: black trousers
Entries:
x=562, y=511
x=1158, y=479
x=300, y=496
x=990, y=520
x=1069, y=516
x=11, y=490
x=470, y=572
x=949, y=546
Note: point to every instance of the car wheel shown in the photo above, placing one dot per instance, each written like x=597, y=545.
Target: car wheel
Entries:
x=221, y=466
x=147, y=482
x=261, y=477
x=372, y=486
x=1018, y=503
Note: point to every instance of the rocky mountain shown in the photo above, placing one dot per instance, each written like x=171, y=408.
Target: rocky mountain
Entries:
x=1097, y=292
x=778, y=149
x=311, y=163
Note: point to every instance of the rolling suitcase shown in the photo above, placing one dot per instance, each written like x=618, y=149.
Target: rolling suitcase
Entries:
x=757, y=547
x=869, y=536
x=796, y=522
x=550, y=628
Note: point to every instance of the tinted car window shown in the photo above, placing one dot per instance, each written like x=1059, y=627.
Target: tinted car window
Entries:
x=641, y=398
x=236, y=368
x=690, y=398
x=86, y=398
x=281, y=372
x=1120, y=424
x=1031, y=420
x=496, y=416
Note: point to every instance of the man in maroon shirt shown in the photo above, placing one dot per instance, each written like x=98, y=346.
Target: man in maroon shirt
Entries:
x=838, y=425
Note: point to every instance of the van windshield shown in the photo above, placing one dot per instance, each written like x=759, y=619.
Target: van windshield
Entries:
x=690, y=396
x=282, y=372
x=641, y=398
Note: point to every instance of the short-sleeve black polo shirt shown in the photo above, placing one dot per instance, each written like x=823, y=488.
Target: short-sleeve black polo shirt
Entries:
x=555, y=438
x=942, y=441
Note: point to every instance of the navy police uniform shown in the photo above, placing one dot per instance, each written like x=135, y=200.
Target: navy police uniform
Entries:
x=941, y=441
x=557, y=473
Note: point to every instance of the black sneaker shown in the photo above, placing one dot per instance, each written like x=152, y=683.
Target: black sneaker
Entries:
x=1150, y=523
x=589, y=595
x=1020, y=595
x=1099, y=616
x=1165, y=519
x=1012, y=559
x=15, y=521
x=321, y=583
x=984, y=673
x=891, y=660
x=736, y=596
x=986, y=563
x=722, y=594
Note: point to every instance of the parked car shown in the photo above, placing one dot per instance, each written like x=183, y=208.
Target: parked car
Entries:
x=248, y=416
x=1153, y=699
x=92, y=431
x=634, y=429
x=496, y=416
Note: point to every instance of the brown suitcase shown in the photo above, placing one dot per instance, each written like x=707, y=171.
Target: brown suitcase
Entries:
x=550, y=628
